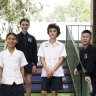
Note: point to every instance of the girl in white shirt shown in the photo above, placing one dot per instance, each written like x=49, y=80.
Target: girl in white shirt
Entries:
x=12, y=62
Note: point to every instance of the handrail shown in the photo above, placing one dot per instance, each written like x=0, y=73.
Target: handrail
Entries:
x=72, y=60
x=77, y=29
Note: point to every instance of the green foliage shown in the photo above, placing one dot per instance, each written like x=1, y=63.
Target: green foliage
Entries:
x=58, y=15
x=76, y=11
x=14, y=10
x=10, y=11
x=79, y=10
x=3, y=3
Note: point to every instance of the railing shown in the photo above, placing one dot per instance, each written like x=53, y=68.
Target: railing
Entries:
x=82, y=88
x=77, y=29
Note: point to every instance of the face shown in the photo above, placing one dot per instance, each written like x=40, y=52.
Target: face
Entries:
x=24, y=26
x=85, y=38
x=11, y=41
x=52, y=33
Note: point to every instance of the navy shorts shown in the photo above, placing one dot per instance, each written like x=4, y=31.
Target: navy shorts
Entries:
x=28, y=68
x=0, y=90
x=51, y=84
x=12, y=90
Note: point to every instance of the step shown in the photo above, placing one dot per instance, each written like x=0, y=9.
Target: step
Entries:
x=39, y=74
x=66, y=70
x=39, y=70
x=64, y=82
x=49, y=94
x=65, y=79
x=63, y=91
x=40, y=66
x=38, y=86
x=38, y=78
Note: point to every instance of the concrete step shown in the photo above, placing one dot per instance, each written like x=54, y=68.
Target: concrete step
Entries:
x=38, y=78
x=63, y=91
x=66, y=70
x=38, y=86
x=64, y=82
x=39, y=74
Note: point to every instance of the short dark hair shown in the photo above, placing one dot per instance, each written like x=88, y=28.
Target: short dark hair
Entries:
x=86, y=31
x=24, y=19
x=53, y=25
x=11, y=34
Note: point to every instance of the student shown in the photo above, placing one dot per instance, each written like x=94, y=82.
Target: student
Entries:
x=12, y=62
x=27, y=44
x=88, y=60
x=52, y=54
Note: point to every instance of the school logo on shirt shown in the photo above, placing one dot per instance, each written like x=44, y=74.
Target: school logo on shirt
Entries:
x=29, y=39
x=85, y=56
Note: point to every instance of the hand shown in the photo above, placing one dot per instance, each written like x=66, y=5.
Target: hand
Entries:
x=49, y=73
x=34, y=69
x=88, y=78
x=75, y=72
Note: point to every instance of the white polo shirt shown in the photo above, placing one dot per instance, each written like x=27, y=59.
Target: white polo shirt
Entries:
x=11, y=64
x=52, y=53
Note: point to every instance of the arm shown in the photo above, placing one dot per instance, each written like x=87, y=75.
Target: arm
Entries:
x=1, y=69
x=62, y=54
x=49, y=73
x=35, y=58
x=58, y=64
x=22, y=72
x=78, y=67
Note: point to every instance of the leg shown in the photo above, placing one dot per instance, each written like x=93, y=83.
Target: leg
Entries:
x=45, y=86
x=28, y=84
x=54, y=93
x=43, y=93
x=20, y=90
x=94, y=87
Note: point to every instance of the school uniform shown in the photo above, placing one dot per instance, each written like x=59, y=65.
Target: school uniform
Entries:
x=52, y=53
x=88, y=60
x=12, y=81
x=27, y=44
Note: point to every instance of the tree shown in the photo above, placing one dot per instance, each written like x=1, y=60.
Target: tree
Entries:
x=75, y=11
x=12, y=11
x=79, y=10
x=59, y=15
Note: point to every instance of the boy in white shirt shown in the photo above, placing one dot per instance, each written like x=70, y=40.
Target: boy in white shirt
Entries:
x=51, y=55
x=12, y=62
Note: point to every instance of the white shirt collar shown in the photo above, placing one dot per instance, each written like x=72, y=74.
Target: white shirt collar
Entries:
x=8, y=53
x=48, y=43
